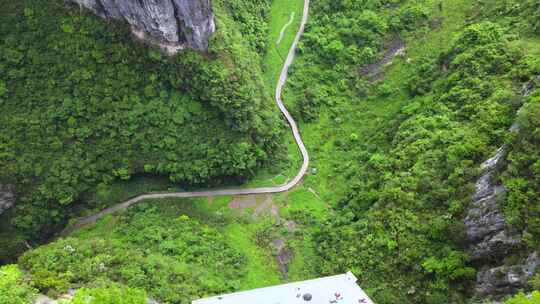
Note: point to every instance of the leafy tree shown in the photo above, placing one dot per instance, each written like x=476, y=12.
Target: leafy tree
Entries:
x=521, y=298
x=14, y=287
x=114, y=294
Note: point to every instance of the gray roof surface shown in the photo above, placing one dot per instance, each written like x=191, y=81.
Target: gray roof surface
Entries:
x=339, y=289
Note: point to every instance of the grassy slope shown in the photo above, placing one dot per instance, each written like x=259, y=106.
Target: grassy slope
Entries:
x=280, y=14
x=236, y=227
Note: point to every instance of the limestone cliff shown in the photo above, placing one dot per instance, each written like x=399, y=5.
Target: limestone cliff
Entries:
x=171, y=23
x=490, y=237
x=7, y=198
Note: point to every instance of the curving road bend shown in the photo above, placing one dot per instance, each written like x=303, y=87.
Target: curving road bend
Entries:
x=274, y=189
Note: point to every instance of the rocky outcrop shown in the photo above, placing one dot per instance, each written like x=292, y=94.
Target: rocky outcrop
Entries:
x=7, y=198
x=170, y=23
x=506, y=279
x=486, y=226
x=490, y=239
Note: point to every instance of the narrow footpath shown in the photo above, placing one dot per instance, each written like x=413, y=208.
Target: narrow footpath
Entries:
x=223, y=192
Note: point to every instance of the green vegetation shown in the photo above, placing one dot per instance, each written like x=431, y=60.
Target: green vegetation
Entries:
x=83, y=106
x=14, y=288
x=113, y=294
x=280, y=14
x=175, y=250
x=397, y=150
x=521, y=298
x=522, y=176
x=400, y=102
x=151, y=247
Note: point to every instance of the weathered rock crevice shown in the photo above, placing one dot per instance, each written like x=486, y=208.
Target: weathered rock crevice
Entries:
x=7, y=198
x=491, y=239
x=171, y=24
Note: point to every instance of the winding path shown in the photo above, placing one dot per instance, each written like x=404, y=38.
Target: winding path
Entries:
x=284, y=28
x=189, y=194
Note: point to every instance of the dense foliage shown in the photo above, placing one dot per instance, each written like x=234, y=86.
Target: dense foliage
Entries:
x=399, y=188
x=522, y=15
x=408, y=186
x=174, y=258
x=14, y=287
x=83, y=105
x=251, y=17
x=428, y=170
x=522, y=175
x=521, y=298
x=112, y=294
x=343, y=36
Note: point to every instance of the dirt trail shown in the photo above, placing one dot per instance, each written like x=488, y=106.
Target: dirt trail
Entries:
x=282, y=33
x=374, y=70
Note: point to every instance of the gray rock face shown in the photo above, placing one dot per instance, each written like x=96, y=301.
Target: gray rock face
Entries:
x=505, y=279
x=7, y=198
x=490, y=238
x=187, y=23
x=495, y=246
x=485, y=224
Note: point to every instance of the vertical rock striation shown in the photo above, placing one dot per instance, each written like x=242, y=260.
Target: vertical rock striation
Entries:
x=7, y=198
x=486, y=226
x=489, y=236
x=178, y=23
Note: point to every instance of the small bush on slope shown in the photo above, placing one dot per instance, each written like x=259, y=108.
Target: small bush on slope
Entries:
x=113, y=294
x=522, y=175
x=521, y=298
x=14, y=288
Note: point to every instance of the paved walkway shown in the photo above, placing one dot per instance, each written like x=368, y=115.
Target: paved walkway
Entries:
x=188, y=194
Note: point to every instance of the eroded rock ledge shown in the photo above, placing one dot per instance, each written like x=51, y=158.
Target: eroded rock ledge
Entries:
x=7, y=198
x=173, y=24
x=491, y=239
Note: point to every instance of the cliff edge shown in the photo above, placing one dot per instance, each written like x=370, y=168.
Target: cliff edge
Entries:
x=173, y=24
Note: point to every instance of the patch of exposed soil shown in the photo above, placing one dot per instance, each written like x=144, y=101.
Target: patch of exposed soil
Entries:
x=264, y=207
x=261, y=205
x=375, y=70
x=285, y=256
x=241, y=203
